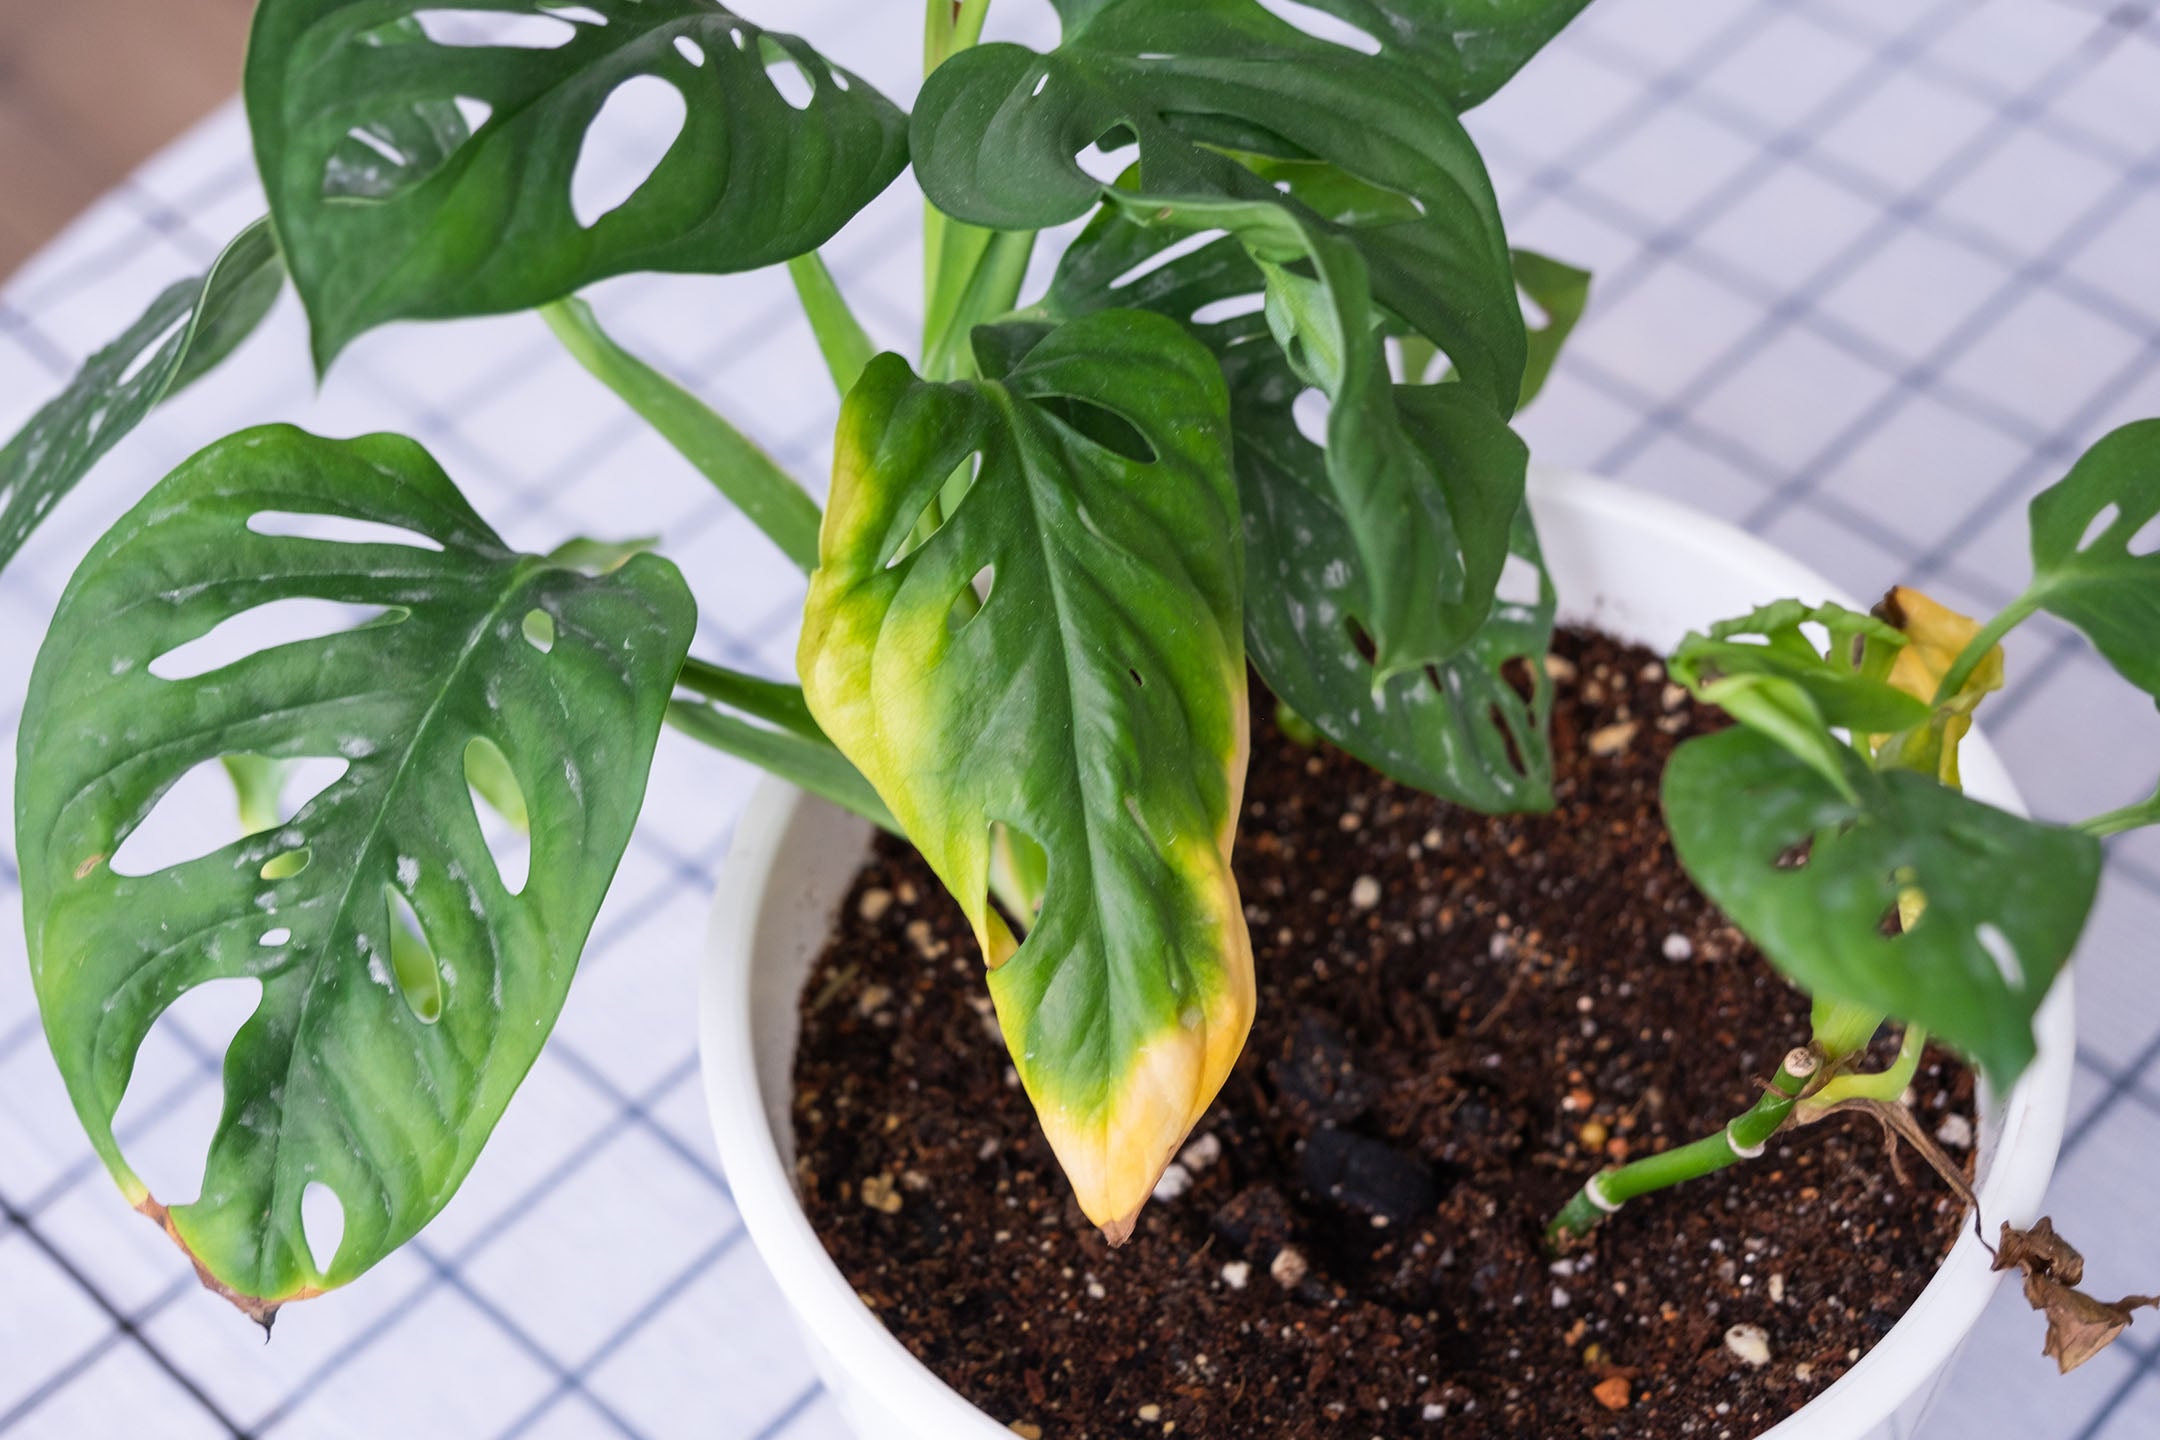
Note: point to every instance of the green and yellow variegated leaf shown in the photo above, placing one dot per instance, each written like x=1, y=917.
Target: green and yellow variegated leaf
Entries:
x=378, y=1057
x=1061, y=658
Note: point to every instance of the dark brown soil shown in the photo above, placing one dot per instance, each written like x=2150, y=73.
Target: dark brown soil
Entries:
x=1428, y=1080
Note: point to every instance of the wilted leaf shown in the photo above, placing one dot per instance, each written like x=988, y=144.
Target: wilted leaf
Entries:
x=343, y=1076
x=1938, y=635
x=2079, y=1327
x=1062, y=658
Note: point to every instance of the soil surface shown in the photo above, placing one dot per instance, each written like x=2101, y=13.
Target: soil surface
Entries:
x=1461, y=1018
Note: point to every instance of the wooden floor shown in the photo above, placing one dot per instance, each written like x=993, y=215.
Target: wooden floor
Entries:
x=89, y=88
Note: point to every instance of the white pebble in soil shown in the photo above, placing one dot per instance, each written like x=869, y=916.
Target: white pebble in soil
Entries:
x=1237, y=1274
x=1678, y=947
x=1364, y=892
x=1289, y=1267
x=1955, y=1131
x=1751, y=1343
x=1200, y=1153
x=1176, y=1180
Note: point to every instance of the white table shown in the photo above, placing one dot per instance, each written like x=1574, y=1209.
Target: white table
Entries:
x=1869, y=273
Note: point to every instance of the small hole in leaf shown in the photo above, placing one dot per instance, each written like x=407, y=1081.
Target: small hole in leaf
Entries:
x=341, y=528
x=1521, y=583
x=473, y=111
x=1110, y=156
x=153, y=351
x=539, y=629
x=1498, y=719
x=581, y=14
x=1040, y=81
x=2147, y=538
x=412, y=958
x=265, y=627
x=1321, y=25
x=1168, y=255
x=786, y=74
x=1020, y=873
x=1136, y=677
x=201, y=1022
x=690, y=50
x=1360, y=640
x=2100, y=525
x=275, y=938
x=1310, y=411
x=624, y=145
x=969, y=602
x=1231, y=307
x=1103, y=426
x=499, y=804
x=2003, y=953
x=322, y=1224
x=287, y=863
x=494, y=28
x=1794, y=856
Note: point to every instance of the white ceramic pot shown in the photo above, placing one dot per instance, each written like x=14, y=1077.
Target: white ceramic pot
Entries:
x=1636, y=566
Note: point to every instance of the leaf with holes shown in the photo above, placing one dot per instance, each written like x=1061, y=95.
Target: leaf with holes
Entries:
x=384, y=218
x=1561, y=293
x=1471, y=726
x=1813, y=878
x=2107, y=585
x=185, y=333
x=1061, y=659
x=358, y=1070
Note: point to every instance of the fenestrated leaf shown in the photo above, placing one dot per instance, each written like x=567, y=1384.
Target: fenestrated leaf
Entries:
x=187, y=330
x=1459, y=728
x=2103, y=586
x=335, y=1079
x=1811, y=876
x=454, y=225
x=1849, y=687
x=1094, y=702
x=1562, y=292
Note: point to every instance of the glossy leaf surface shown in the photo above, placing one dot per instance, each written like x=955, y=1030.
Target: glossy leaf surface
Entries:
x=1812, y=876
x=339, y=1077
x=1460, y=727
x=2095, y=562
x=187, y=330
x=384, y=216
x=1061, y=657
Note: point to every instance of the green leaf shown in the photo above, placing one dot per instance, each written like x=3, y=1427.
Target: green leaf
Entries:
x=1562, y=292
x=460, y=225
x=1845, y=681
x=186, y=331
x=337, y=1078
x=1811, y=875
x=1459, y=727
x=1062, y=658
x=769, y=724
x=599, y=557
x=2103, y=586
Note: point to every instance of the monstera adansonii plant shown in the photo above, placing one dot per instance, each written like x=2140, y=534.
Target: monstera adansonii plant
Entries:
x=1259, y=421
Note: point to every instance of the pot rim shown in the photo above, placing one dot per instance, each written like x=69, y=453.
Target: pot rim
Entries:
x=1921, y=1343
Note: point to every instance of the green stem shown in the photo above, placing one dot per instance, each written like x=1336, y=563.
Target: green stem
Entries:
x=993, y=274
x=740, y=470
x=1741, y=1139
x=841, y=339
x=949, y=26
x=1842, y=1029
x=2130, y=817
x=1888, y=1086
x=1991, y=634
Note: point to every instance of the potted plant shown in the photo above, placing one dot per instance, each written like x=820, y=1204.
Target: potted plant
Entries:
x=1259, y=418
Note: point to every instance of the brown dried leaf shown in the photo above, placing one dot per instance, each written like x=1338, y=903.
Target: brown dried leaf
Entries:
x=2079, y=1327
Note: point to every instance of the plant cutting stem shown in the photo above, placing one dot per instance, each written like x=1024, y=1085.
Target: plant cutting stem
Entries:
x=1887, y=1086
x=1741, y=1139
x=2130, y=817
x=841, y=339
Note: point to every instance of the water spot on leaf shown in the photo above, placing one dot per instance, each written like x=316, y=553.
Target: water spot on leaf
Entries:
x=624, y=145
x=341, y=528
x=322, y=1224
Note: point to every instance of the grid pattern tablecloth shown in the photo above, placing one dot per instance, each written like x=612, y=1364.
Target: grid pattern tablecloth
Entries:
x=1870, y=272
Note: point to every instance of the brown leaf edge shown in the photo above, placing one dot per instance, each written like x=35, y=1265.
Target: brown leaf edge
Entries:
x=262, y=1312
